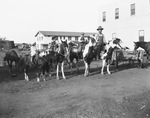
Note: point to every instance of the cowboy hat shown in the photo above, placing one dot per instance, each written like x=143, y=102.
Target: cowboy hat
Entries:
x=100, y=28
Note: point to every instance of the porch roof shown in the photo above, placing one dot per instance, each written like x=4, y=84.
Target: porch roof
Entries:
x=63, y=33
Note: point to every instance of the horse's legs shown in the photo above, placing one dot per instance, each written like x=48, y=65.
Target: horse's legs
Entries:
x=139, y=63
x=38, y=75
x=26, y=74
x=44, y=69
x=77, y=66
x=48, y=70
x=10, y=66
x=57, y=76
x=108, y=64
x=62, y=70
x=16, y=64
x=86, y=69
x=71, y=67
x=103, y=65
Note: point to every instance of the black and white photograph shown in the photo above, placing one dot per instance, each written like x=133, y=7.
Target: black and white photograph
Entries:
x=74, y=58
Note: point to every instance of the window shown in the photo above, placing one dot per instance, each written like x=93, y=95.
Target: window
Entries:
x=76, y=38
x=40, y=38
x=132, y=9
x=113, y=35
x=69, y=37
x=104, y=16
x=141, y=35
x=117, y=13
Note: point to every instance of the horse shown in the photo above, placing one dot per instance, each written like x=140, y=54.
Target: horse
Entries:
x=140, y=53
x=56, y=57
x=106, y=56
x=144, y=45
x=42, y=64
x=59, y=56
x=88, y=55
x=24, y=64
x=10, y=57
x=93, y=49
x=75, y=52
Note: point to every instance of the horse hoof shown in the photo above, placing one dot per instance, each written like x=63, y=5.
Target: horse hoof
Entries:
x=38, y=80
x=50, y=75
x=109, y=73
x=102, y=73
x=57, y=78
x=64, y=78
x=85, y=75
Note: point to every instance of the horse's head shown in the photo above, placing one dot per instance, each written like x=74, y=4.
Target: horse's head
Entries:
x=117, y=41
x=64, y=43
x=136, y=45
x=92, y=41
x=63, y=48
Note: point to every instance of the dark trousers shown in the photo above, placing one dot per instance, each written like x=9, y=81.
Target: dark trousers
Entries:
x=100, y=48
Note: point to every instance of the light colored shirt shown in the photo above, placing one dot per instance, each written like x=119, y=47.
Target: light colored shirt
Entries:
x=81, y=39
x=100, y=38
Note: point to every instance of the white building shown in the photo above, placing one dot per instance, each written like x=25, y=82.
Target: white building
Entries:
x=128, y=20
x=43, y=38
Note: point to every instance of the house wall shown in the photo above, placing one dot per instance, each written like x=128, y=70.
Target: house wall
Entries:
x=41, y=39
x=126, y=27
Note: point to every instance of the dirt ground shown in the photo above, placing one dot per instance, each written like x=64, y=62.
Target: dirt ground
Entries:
x=123, y=94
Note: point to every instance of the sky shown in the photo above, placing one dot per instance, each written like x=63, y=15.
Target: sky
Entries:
x=20, y=20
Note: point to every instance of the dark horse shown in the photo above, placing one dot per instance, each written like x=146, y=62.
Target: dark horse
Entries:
x=59, y=57
x=42, y=63
x=24, y=65
x=10, y=57
x=144, y=45
x=52, y=58
x=75, y=52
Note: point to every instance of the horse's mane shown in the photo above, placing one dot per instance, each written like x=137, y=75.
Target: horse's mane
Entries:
x=117, y=41
x=11, y=53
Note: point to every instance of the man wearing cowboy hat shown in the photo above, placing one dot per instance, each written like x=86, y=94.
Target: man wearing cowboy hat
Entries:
x=100, y=39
